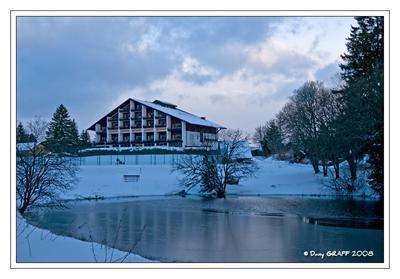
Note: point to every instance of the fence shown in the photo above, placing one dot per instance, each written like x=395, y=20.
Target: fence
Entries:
x=140, y=159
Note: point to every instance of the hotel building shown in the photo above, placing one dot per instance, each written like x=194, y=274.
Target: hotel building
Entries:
x=142, y=123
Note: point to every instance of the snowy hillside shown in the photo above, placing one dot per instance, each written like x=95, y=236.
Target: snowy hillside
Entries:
x=273, y=178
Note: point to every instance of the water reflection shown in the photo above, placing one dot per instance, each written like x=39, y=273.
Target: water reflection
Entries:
x=253, y=229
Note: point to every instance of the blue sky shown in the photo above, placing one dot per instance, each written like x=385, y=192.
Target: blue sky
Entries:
x=237, y=71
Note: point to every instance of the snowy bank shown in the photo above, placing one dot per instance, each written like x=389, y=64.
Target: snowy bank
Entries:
x=281, y=178
x=273, y=178
x=38, y=245
x=108, y=181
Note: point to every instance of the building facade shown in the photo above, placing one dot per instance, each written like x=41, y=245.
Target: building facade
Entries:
x=142, y=123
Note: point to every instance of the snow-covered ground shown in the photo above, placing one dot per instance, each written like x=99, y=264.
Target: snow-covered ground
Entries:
x=273, y=177
x=276, y=177
x=108, y=181
x=38, y=245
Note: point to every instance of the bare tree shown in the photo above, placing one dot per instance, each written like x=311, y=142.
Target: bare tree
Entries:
x=37, y=127
x=308, y=120
x=41, y=177
x=213, y=171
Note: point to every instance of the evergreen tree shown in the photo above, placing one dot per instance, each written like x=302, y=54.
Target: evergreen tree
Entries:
x=84, y=139
x=62, y=134
x=362, y=96
x=273, y=137
x=74, y=135
x=260, y=137
x=21, y=134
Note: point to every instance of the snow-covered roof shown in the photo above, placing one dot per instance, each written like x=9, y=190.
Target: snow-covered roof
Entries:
x=183, y=115
x=25, y=146
x=169, y=109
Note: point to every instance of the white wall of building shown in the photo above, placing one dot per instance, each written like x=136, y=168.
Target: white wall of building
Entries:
x=184, y=139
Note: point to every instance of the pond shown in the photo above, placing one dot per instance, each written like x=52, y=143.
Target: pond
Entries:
x=235, y=229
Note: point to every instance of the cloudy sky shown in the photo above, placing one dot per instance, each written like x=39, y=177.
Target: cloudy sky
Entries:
x=236, y=71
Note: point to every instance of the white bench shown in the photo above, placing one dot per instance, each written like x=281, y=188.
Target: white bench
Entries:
x=131, y=177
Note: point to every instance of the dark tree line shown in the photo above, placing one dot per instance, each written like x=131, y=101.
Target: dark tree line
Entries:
x=60, y=135
x=22, y=136
x=339, y=124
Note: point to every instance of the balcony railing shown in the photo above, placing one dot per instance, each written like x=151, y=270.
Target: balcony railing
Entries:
x=123, y=109
x=173, y=142
x=176, y=126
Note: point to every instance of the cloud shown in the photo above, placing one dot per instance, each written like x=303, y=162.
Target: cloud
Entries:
x=258, y=86
x=192, y=66
x=241, y=99
x=238, y=71
x=300, y=39
x=146, y=37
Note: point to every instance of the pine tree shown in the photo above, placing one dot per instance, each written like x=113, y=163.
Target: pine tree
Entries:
x=74, y=135
x=273, y=137
x=21, y=134
x=84, y=139
x=62, y=134
x=363, y=95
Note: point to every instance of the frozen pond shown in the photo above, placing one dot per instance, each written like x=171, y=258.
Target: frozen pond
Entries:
x=237, y=229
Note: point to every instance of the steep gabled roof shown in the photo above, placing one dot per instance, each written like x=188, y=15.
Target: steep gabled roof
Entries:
x=175, y=112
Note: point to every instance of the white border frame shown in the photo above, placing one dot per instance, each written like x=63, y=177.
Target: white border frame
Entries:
x=322, y=13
